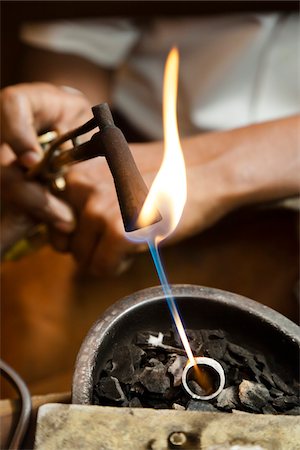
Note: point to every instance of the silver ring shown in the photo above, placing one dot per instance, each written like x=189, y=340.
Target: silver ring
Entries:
x=204, y=361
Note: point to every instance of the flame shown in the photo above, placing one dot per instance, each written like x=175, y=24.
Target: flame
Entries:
x=168, y=191
x=168, y=195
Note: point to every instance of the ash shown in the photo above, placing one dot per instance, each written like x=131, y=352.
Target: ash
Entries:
x=147, y=373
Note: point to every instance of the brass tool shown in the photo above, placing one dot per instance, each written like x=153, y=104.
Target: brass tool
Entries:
x=109, y=142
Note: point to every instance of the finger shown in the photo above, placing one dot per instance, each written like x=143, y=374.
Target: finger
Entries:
x=31, y=108
x=35, y=200
x=88, y=232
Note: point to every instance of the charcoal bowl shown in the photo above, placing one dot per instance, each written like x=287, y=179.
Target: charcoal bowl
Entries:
x=247, y=323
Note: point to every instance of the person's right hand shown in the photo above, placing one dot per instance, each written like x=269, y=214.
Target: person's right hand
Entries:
x=30, y=109
x=26, y=111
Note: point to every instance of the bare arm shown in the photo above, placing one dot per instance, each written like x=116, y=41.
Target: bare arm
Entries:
x=225, y=170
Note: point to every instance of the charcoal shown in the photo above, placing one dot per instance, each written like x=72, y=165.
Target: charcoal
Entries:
x=261, y=360
x=154, y=378
x=108, y=366
x=233, y=375
x=294, y=411
x=137, y=388
x=256, y=372
x=232, y=361
x=253, y=395
x=176, y=368
x=268, y=409
x=168, y=338
x=266, y=378
x=162, y=357
x=144, y=374
x=200, y=405
x=172, y=393
x=109, y=387
x=280, y=384
x=135, y=403
x=239, y=352
x=216, y=348
x=285, y=402
x=228, y=399
x=211, y=335
x=126, y=359
x=275, y=392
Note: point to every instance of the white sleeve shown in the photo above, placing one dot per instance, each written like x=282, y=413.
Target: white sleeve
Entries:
x=105, y=42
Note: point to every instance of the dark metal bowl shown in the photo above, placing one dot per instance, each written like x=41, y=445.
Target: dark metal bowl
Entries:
x=248, y=323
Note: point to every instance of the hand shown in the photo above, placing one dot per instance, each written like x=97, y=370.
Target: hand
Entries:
x=30, y=109
x=26, y=110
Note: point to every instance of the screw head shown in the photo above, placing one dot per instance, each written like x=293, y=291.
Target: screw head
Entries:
x=178, y=439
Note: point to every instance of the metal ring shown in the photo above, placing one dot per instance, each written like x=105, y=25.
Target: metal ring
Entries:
x=204, y=361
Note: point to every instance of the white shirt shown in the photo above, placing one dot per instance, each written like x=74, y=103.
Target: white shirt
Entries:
x=234, y=70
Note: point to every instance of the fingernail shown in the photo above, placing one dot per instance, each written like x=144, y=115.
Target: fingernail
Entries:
x=30, y=159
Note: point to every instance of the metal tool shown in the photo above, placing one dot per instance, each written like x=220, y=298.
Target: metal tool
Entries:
x=109, y=142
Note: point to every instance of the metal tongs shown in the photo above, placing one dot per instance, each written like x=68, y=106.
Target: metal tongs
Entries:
x=109, y=142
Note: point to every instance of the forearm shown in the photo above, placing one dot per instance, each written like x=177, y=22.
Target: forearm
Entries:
x=251, y=164
x=229, y=169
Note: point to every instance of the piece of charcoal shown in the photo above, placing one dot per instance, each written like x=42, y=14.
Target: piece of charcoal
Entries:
x=280, y=384
x=110, y=388
x=108, y=366
x=253, y=395
x=254, y=368
x=233, y=375
x=137, y=388
x=155, y=378
x=239, y=351
x=135, y=403
x=285, y=402
x=200, y=405
x=126, y=359
x=261, y=361
x=294, y=411
x=232, y=361
x=228, y=399
x=168, y=338
x=162, y=357
x=209, y=335
x=268, y=409
x=275, y=392
x=216, y=348
x=172, y=394
x=176, y=368
x=266, y=378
